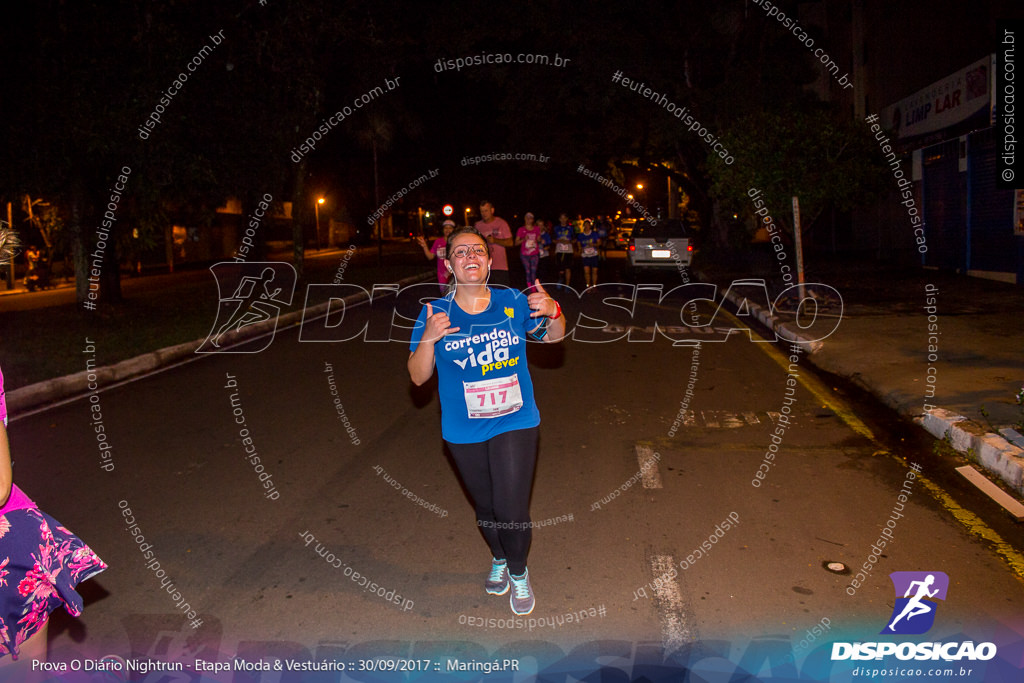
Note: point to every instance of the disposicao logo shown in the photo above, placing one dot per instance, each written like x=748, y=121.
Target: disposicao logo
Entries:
x=258, y=291
x=917, y=594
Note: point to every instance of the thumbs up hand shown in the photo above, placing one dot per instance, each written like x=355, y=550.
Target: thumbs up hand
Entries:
x=540, y=303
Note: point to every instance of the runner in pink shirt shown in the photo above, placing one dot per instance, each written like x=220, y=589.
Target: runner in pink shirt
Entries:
x=528, y=238
x=499, y=235
x=437, y=251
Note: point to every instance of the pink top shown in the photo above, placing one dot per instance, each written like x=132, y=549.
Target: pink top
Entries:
x=499, y=228
x=17, y=500
x=438, y=249
x=531, y=240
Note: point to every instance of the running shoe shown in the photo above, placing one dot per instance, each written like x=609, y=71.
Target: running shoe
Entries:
x=497, y=580
x=522, y=600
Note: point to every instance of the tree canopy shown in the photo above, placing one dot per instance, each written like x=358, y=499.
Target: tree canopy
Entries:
x=88, y=75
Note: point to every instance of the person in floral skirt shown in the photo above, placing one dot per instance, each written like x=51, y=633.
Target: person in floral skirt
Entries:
x=41, y=562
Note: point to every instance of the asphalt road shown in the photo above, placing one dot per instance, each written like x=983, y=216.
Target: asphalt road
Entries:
x=241, y=561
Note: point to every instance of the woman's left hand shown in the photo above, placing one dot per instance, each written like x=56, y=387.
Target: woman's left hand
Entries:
x=540, y=303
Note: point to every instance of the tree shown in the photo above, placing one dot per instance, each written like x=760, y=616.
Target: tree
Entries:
x=809, y=153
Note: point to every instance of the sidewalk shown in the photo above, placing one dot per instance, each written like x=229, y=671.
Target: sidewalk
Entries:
x=964, y=357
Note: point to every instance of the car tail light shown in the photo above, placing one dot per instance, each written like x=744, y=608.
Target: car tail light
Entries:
x=632, y=247
x=689, y=247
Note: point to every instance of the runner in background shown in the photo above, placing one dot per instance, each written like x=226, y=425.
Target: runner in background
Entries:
x=528, y=237
x=603, y=227
x=437, y=251
x=565, y=246
x=544, y=266
x=499, y=236
x=589, y=242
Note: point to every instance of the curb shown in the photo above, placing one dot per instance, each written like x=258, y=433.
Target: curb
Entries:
x=58, y=388
x=997, y=455
x=993, y=452
x=783, y=330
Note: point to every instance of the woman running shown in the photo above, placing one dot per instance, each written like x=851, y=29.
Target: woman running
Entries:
x=589, y=242
x=544, y=262
x=436, y=250
x=528, y=239
x=565, y=246
x=476, y=337
x=41, y=562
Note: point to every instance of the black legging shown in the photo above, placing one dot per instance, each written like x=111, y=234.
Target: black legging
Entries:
x=499, y=475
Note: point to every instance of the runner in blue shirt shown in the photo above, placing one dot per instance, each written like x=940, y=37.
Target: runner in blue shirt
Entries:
x=589, y=242
x=603, y=229
x=543, y=266
x=565, y=245
x=476, y=337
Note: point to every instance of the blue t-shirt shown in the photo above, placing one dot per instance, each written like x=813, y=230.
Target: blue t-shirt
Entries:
x=545, y=243
x=563, y=232
x=588, y=243
x=483, y=379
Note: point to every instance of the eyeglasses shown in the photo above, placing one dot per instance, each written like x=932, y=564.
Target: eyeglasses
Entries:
x=464, y=251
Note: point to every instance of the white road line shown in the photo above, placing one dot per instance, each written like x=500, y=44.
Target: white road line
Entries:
x=675, y=631
x=1008, y=502
x=723, y=419
x=732, y=421
x=648, y=467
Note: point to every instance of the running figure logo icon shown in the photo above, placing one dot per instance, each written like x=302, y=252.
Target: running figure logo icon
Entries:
x=257, y=294
x=916, y=595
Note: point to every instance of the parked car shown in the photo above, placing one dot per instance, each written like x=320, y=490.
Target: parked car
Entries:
x=623, y=233
x=665, y=244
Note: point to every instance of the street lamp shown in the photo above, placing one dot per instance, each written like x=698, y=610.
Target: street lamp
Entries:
x=316, y=208
x=466, y=221
x=639, y=190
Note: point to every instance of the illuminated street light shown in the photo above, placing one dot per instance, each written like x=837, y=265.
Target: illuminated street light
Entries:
x=316, y=208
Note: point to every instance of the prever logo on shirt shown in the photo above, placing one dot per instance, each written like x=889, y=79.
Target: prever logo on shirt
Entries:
x=487, y=350
x=916, y=595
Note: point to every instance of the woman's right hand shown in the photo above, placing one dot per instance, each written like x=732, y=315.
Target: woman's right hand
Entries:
x=438, y=325
x=422, y=241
